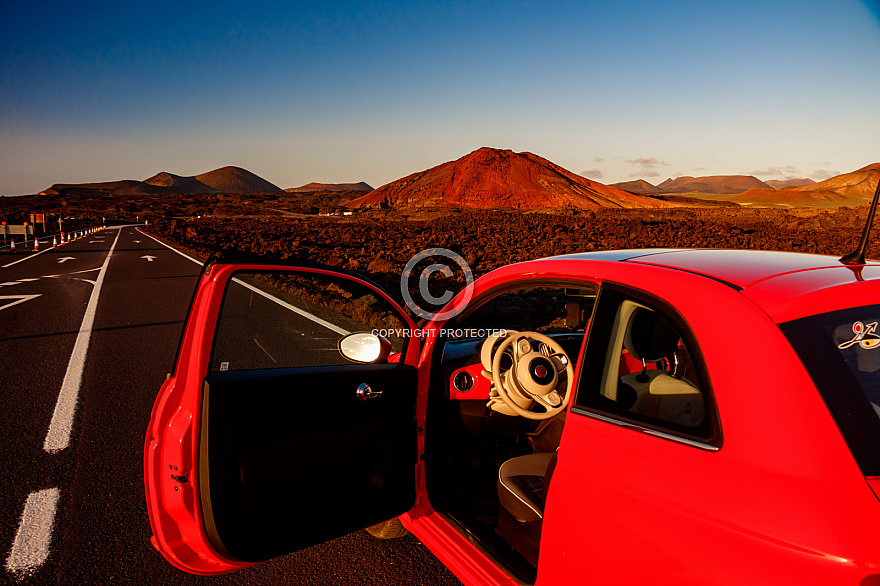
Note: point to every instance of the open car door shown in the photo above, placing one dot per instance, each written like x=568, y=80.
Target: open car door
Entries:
x=266, y=439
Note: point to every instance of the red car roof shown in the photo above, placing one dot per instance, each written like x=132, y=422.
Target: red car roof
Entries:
x=786, y=285
x=741, y=268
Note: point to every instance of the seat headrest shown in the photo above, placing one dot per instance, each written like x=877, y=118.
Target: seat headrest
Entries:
x=650, y=336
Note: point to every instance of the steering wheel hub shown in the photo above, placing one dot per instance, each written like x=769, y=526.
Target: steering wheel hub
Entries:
x=542, y=371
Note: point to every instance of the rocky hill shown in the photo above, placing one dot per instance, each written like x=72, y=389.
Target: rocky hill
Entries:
x=222, y=180
x=494, y=178
x=639, y=187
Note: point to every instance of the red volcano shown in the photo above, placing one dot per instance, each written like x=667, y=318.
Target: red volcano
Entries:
x=493, y=178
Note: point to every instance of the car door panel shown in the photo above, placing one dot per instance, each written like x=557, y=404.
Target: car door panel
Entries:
x=244, y=465
x=284, y=449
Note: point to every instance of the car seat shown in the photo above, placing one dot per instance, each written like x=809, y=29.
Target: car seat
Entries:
x=522, y=491
x=659, y=394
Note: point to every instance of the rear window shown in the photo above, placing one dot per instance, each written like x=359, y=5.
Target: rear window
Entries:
x=841, y=351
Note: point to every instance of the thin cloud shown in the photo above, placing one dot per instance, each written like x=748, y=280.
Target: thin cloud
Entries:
x=646, y=163
x=699, y=168
x=646, y=173
x=593, y=174
x=598, y=160
x=822, y=174
x=777, y=171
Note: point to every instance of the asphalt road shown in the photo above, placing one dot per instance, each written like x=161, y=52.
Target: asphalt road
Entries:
x=79, y=372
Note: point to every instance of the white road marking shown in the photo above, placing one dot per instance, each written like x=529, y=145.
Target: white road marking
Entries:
x=27, y=257
x=136, y=241
x=186, y=256
x=78, y=272
x=148, y=257
x=7, y=284
x=284, y=304
x=295, y=309
x=27, y=280
x=58, y=436
x=65, y=259
x=21, y=299
x=31, y=546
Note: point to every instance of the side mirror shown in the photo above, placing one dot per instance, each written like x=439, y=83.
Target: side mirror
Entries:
x=364, y=347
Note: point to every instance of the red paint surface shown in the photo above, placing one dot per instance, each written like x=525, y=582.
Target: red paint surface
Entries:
x=782, y=501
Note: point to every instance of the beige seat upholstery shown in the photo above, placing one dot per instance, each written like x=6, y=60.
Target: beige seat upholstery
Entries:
x=522, y=491
x=521, y=486
x=651, y=337
x=664, y=397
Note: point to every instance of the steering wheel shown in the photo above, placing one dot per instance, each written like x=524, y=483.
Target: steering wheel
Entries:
x=535, y=377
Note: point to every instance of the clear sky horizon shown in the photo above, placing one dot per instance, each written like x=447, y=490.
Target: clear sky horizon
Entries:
x=340, y=92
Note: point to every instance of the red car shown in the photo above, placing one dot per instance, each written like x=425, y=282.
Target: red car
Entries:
x=623, y=417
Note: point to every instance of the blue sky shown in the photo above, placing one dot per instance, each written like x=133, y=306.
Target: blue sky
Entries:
x=373, y=91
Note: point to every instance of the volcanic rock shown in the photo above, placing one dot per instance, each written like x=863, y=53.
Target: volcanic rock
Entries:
x=236, y=180
x=178, y=183
x=493, y=178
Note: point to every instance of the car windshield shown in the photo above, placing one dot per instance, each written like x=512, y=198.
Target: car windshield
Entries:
x=841, y=351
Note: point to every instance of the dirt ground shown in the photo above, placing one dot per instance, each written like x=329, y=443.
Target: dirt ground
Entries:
x=380, y=243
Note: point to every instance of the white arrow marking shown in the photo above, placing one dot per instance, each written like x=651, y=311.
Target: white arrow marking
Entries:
x=148, y=257
x=21, y=299
x=66, y=258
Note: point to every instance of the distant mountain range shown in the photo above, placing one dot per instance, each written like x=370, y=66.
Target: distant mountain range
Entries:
x=850, y=189
x=222, y=180
x=711, y=184
x=780, y=183
x=311, y=187
x=488, y=178
x=717, y=184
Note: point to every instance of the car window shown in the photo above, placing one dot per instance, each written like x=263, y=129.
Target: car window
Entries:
x=545, y=309
x=641, y=366
x=841, y=351
x=289, y=319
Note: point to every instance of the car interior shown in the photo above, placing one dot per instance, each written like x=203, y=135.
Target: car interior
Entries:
x=502, y=376
x=496, y=413
x=497, y=405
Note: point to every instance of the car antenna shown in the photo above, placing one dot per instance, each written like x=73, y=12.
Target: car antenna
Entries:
x=857, y=256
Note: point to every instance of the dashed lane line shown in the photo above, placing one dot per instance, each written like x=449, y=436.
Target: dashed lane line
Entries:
x=58, y=436
x=31, y=546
